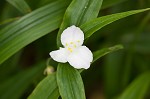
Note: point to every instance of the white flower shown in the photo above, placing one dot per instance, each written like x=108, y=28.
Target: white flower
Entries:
x=73, y=52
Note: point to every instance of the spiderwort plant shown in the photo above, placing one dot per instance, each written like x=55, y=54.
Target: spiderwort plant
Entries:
x=78, y=55
x=66, y=82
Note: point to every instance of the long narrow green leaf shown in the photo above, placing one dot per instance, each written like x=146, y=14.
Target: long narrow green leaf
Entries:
x=91, y=10
x=98, y=54
x=92, y=26
x=77, y=15
x=46, y=89
x=138, y=88
x=21, y=5
x=69, y=82
x=29, y=28
x=14, y=87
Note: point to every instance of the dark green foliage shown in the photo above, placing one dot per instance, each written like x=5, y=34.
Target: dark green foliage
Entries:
x=30, y=29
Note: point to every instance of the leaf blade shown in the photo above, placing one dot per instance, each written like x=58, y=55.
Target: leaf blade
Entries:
x=46, y=89
x=92, y=26
x=98, y=54
x=29, y=28
x=69, y=82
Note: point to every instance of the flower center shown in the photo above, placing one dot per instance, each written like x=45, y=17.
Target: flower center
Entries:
x=71, y=46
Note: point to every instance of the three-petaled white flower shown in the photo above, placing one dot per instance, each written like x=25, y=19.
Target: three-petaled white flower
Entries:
x=73, y=52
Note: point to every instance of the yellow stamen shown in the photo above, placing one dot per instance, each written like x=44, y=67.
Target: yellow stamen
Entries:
x=70, y=49
x=71, y=42
x=78, y=41
x=75, y=46
x=66, y=44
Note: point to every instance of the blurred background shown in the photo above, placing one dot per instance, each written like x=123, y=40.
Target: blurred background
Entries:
x=107, y=78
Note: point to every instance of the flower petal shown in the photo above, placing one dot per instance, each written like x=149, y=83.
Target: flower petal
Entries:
x=80, y=58
x=72, y=34
x=59, y=55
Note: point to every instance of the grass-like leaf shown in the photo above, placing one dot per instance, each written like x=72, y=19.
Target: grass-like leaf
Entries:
x=46, y=89
x=100, y=53
x=29, y=28
x=92, y=26
x=70, y=82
